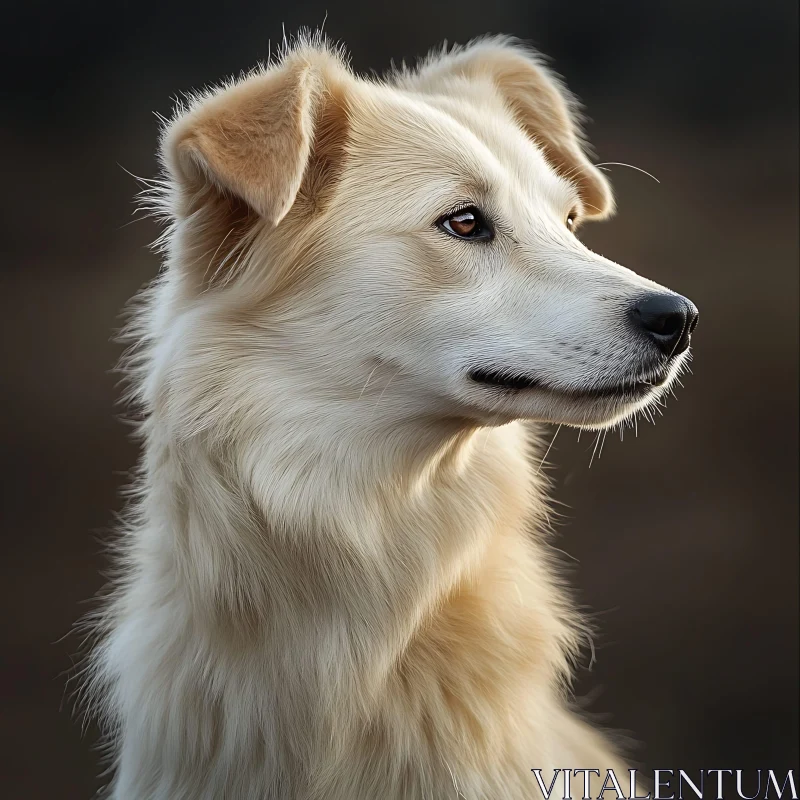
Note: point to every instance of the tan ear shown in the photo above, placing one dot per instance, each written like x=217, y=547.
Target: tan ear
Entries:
x=255, y=140
x=540, y=102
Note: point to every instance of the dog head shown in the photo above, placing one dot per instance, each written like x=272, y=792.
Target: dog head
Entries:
x=412, y=240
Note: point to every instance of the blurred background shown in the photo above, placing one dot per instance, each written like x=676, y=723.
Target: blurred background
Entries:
x=683, y=541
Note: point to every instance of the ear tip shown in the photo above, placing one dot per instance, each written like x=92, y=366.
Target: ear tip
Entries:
x=179, y=151
x=599, y=197
x=316, y=53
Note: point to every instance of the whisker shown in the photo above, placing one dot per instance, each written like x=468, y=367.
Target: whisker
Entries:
x=369, y=378
x=546, y=452
x=594, y=449
x=374, y=408
x=630, y=166
x=602, y=442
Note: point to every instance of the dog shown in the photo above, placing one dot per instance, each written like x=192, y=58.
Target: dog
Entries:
x=335, y=581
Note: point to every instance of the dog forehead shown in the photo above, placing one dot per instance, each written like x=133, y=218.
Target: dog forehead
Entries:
x=474, y=139
x=392, y=126
x=495, y=125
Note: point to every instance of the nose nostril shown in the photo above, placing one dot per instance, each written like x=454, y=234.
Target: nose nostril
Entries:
x=667, y=325
x=667, y=319
x=693, y=323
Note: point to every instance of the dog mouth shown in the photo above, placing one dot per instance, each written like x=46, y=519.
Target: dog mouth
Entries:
x=510, y=381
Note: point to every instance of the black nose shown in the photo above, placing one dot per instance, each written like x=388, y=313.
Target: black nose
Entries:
x=667, y=319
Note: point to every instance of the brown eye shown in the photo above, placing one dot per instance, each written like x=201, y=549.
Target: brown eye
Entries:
x=467, y=223
x=463, y=224
x=571, y=220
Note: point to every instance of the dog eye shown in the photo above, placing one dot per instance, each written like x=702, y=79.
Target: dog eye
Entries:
x=466, y=223
x=572, y=218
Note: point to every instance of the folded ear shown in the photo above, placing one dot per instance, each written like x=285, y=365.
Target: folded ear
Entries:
x=540, y=102
x=261, y=140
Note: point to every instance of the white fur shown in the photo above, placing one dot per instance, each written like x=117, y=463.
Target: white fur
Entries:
x=335, y=582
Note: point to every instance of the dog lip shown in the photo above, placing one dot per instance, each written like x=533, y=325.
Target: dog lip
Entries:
x=502, y=379
x=516, y=381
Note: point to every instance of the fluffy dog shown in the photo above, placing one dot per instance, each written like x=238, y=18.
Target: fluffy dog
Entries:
x=335, y=582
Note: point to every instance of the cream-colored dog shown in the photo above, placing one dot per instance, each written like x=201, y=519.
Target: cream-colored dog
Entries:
x=336, y=584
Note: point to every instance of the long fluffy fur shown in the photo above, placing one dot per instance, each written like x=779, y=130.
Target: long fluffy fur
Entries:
x=322, y=593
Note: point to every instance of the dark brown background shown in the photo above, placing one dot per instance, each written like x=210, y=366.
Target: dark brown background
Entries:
x=686, y=538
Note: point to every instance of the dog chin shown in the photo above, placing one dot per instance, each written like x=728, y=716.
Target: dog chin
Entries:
x=591, y=414
x=599, y=415
x=601, y=412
